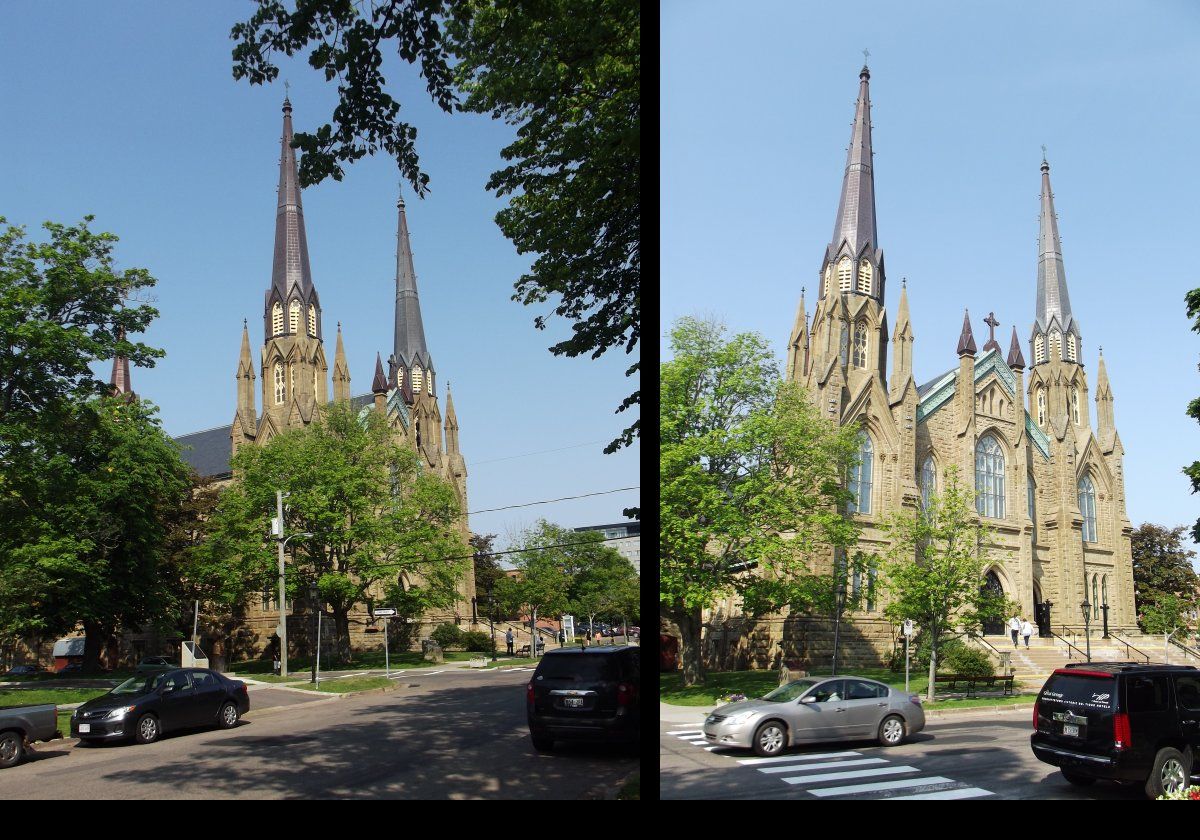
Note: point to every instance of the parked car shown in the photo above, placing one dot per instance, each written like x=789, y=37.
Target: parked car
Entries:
x=153, y=663
x=1125, y=721
x=844, y=708
x=579, y=694
x=20, y=726
x=147, y=705
x=23, y=670
x=71, y=668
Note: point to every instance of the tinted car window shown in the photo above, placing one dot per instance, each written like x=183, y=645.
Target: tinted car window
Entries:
x=789, y=691
x=579, y=666
x=177, y=681
x=1079, y=691
x=1187, y=689
x=861, y=690
x=203, y=679
x=830, y=692
x=1147, y=694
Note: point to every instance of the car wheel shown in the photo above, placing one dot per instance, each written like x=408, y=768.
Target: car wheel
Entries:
x=891, y=731
x=12, y=749
x=147, y=730
x=542, y=743
x=1077, y=779
x=1171, y=771
x=229, y=716
x=770, y=738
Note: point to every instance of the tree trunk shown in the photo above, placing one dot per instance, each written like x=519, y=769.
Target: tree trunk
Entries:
x=94, y=637
x=933, y=640
x=341, y=623
x=689, y=622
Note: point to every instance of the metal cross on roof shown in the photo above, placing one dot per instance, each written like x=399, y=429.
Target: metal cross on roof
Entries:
x=992, y=323
x=866, y=55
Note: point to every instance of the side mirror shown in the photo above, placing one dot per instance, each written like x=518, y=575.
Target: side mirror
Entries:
x=808, y=698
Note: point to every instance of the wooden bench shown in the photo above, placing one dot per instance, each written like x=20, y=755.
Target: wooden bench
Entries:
x=523, y=650
x=973, y=682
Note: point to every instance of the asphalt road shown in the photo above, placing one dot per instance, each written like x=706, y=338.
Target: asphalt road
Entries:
x=976, y=757
x=451, y=735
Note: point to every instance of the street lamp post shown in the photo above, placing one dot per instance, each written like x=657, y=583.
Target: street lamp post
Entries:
x=314, y=593
x=1104, y=609
x=1087, y=627
x=283, y=669
x=491, y=602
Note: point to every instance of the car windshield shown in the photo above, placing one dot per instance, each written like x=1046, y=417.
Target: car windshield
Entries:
x=790, y=691
x=143, y=684
x=578, y=666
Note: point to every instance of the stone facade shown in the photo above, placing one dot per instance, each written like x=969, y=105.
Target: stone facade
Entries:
x=1050, y=479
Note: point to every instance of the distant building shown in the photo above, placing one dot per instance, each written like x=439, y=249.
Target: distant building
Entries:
x=626, y=538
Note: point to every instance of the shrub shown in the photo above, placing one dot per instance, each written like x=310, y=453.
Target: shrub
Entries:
x=446, y=635
x=477, y=640
x=969, y=662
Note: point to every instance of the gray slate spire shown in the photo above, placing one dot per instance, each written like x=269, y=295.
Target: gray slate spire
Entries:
x=120, y=381
x=410, y=346
x=855, y=224
x=966, y=340
x=1016, y=361
x=1052, y=301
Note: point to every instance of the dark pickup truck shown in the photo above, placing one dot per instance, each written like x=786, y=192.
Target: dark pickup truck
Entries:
x=22, y=725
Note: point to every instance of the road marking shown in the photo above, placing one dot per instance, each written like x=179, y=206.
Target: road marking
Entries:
x=687, y=732
x=849, y=774
x=894, y=785
x=957, y=793
x=697, y=743
x=431, y=673
x=810, y=757
x=788, y=768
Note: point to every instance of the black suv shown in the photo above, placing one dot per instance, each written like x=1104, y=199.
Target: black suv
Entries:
x=584, y=694
x=1125, y=721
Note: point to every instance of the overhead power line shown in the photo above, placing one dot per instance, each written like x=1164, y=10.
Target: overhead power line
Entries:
x=539, y=452
x=551, y=501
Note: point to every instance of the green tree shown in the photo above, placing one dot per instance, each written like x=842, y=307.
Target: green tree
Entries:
x=1164, y=581
x=751, y=478
x=95, y=552
x=566, y=73
x=1192, y=471
x=546, y=569
x=378, y=521
x=604, y=583
x=935, y=568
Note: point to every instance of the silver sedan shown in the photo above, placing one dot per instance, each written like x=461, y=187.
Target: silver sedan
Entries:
x=842, y=708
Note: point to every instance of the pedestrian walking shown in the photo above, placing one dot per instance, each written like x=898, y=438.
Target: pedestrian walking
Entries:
x=275, y=665
x=1014, y=626
x=508, y=638
x=1026, y=630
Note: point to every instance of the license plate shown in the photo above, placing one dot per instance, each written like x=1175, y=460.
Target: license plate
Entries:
x=1069, y=729
x=85, y=727
x=573, y=702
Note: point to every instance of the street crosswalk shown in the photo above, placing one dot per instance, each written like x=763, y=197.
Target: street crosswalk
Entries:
x=844, y=773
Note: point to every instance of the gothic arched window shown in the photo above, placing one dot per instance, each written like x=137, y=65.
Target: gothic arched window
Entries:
x=280, y=389
x=294, y=317
x=1075, y=404
x=312, y=320
x=828, y=277
x=871, y=576
x=1032, y=504
x=844, y=348
x=1039, y=349
x=1087, y=507
x=1071, y=349
x=860, y=477
x=1041, y=406
x=1056, y=345
x=928, y=481
x=277, y=319
x=989, y=478
x=417, y=379
x=865, y=273
x=1095, y=598
x=845, y=274
x=860, y=344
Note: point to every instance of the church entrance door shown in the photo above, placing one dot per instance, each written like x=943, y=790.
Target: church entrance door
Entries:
x=993, y=627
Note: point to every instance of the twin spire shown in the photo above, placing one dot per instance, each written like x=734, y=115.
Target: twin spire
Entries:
x=855, y=223
x=409, y=352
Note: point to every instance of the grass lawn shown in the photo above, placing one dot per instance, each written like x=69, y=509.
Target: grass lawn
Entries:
x=43, y=694
x=371, y=660
x=757, y=683
x=631, y=789
x=512, y=663
x=347, y=684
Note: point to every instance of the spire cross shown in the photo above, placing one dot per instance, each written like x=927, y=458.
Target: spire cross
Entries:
x=1043, y=151
x=287, y=88
x=866, y=55
x=992, y=323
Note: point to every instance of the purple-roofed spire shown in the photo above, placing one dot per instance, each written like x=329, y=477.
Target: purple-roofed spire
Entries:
x=1016, y=361
x=120, y=381
x=1053, y=301
x=379, y=385
x=966, y=341
x=409, y=350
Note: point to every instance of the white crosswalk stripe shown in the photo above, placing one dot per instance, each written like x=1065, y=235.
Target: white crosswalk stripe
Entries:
x=802, y=757
x=821, y=765
x=687, y=732
x=897, y=784
x=698, y=743
x=850, y=774
x=955, y=793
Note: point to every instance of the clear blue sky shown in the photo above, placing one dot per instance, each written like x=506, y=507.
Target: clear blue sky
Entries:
x=129, y=111
x=756, y=113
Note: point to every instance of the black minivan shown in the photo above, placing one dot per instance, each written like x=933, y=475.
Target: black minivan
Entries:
x=585, y=694
x=1125, y=721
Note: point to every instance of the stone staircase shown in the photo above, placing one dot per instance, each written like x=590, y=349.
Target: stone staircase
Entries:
x=1042, y=656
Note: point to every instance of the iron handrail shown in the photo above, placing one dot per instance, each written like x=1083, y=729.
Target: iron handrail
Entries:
x=1129, y=647
x=1190, y=651
x=989, y=645
x=1070, y=646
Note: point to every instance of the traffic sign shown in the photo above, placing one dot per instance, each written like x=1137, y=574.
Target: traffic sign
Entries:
x=384, y=612
x=908, y=627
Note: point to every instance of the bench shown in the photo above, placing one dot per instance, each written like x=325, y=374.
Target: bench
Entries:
x=523, y=650
x=973, y=682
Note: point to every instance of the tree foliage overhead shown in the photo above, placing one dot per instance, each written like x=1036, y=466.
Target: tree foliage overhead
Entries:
x=751, y=477
x=566, y=73
x=378, y=521
x=1192, y=471
x=935, y=569
x=1164, y=581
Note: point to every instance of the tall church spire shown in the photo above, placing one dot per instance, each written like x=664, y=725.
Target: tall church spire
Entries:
x=120, y=381
x=410, y=359
x=853, y=260
x=341, y=371
x=291, y=277
x=1055, y=333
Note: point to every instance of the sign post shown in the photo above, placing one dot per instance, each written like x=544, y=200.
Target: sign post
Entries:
x=385, y=614
x=908, y=629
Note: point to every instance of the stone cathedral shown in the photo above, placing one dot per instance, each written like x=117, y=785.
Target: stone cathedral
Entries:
x=1047, y=475
x=295, y=377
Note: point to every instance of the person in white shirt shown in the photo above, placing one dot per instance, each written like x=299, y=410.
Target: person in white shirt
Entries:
x=1014, y=626
x=1026, y=630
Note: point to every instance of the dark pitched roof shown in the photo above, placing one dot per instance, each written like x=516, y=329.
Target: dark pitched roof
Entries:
x=922, y=390
x=208, y=452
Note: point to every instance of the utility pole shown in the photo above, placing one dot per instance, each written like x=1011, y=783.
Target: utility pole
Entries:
x=283, y=671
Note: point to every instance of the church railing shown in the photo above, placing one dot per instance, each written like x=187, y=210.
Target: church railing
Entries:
x=1129, y=649
x=1190, y=651
x=1070, y=647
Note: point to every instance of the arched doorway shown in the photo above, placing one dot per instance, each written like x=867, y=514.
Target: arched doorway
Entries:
x=991, y=582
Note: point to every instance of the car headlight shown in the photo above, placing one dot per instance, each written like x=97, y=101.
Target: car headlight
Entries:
x=739, y=718
x=74, y=713
x=119, y=714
